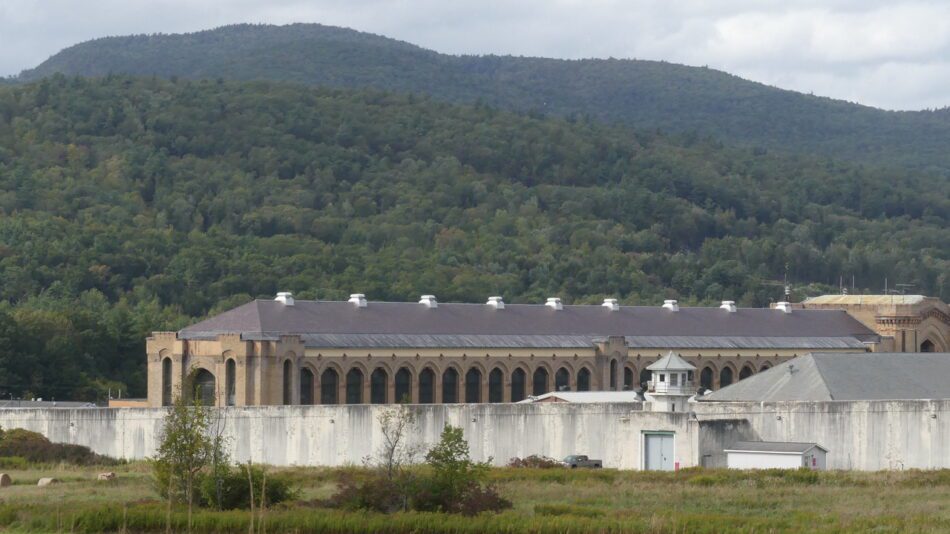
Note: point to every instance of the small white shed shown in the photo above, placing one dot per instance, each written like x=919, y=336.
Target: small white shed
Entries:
x=775, y=455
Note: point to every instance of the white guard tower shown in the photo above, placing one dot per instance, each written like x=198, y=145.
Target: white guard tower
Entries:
x=671, y=384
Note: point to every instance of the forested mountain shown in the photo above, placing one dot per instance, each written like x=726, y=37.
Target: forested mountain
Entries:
x=642, y=94
x=128, y=205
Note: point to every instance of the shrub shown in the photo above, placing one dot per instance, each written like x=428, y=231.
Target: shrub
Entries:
x=13, y=462
x=478, y=499
x=36, y=448
x=534, y=461
x=371, y=491
x=235, y=491
x=454, y=484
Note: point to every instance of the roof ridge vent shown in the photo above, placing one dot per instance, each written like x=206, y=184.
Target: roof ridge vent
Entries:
x=285, y=297
x=554, y=303
x=729, y=306
x=671, y=305
x=429, y=301
x=358, y=299
x=785, y=306
x=496, y=302
x=611, y=304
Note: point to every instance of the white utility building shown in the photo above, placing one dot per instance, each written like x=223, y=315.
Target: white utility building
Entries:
x=775, y=455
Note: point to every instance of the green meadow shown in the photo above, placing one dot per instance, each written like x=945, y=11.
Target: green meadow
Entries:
x=545, y=500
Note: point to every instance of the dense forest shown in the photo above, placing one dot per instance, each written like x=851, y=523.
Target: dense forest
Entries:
x=130, y=205
x=646, y=95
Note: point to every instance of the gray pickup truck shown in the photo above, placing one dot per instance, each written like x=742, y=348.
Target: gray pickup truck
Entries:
x=579, y=460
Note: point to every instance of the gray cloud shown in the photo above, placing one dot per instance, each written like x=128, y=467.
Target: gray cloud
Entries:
x=891, y=54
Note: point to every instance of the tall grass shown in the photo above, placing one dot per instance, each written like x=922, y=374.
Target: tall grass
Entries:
x=546, y=500
x=151, y=518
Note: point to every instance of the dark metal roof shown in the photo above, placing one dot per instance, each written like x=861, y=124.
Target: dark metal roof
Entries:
x=846, y=377
x=773, y=446
x=342, y=324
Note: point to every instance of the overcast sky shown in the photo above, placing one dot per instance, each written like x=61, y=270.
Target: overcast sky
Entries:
x=887, y=53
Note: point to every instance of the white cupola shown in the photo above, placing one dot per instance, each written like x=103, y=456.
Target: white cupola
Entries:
x=286, y=298
x=429, y=301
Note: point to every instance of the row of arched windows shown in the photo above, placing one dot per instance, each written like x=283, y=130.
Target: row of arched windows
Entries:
x=453, y=387
x=727, y=375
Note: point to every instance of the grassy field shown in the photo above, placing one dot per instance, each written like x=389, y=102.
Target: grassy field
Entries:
x=551, y=500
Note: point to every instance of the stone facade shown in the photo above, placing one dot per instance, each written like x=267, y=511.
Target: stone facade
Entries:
x=907, y=323
x=284, y=371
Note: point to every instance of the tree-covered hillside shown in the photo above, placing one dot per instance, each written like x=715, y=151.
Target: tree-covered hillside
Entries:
x=129, y=205
x=642, y=94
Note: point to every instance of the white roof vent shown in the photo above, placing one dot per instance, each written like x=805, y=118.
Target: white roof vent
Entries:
x=671, y=305
x=785, y=306
x=554, y=302
x=429, y=301
x=496, y=302
x=286, y=298
x=358, y=299
x=611, y=304
x=729, y=306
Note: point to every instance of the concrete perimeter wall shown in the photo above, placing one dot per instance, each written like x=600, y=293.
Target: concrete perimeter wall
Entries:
x=339, y=435
x=864, y=435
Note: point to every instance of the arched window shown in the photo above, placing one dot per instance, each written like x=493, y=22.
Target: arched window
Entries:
x=306, y=386
x=427, y=386
x=928, y=346
x=288, y=381
x=706, y=378
x=583, y=379
x=329, y=387
x=450, y=386
x=473, y=386
x=645, y=376
x=377, y=386
x=230, y=371
x=354, y=386
x=403, y=386
x=519, y=381
x=496, y=385
x=613, y=375
x=628, y=384
x=725, y=377
x=167, y=382
x=562, y=380
x=540, y=381
x=204, y=387
x=765, y=367
x=746, y=372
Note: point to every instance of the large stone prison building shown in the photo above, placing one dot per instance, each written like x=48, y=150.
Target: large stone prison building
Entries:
x=282, y=351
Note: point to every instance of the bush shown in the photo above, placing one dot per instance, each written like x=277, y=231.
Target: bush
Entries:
x=478, y=499
x=454, y=484
x=13, y=462
x=235, y=491
x=534, y=461
x=36, y=448
x=367, y=491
